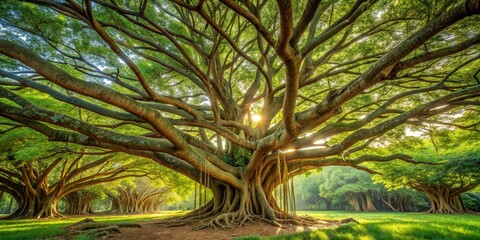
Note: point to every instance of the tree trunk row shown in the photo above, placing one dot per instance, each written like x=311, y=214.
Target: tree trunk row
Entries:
x=79, y=202
x=139, y=200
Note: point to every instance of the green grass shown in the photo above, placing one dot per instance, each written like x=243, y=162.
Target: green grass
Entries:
x=373, y=226
x=32, y=229
x=405, y=226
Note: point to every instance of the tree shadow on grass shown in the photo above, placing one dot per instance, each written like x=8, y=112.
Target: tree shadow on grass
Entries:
x=441, y=231
x=386, y=230
x=13, y=230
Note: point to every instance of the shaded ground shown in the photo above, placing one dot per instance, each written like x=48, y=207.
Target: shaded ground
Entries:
x=152, y=231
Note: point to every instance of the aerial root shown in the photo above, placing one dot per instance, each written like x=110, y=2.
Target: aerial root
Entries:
x=90, y=227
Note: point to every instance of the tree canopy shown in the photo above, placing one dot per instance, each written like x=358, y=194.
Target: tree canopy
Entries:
x=239, y=96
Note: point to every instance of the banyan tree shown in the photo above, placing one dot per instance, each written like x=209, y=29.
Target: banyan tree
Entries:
x=239, y=96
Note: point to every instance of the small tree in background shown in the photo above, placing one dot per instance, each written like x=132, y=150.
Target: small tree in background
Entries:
x=37, y=173
x=457, y=170
x=80, y=202
x=138, y=196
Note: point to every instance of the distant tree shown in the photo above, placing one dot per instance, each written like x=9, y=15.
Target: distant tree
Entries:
x=338, y=187
x=443, y=184
x=7, y=203
x=37, y=174
x=219, y=91
x=79, y=202
x=307, y=194
x=350, y=185
x=458, y=171
x=140, y=196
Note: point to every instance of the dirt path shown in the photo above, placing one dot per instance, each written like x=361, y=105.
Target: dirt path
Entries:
x=153, y=231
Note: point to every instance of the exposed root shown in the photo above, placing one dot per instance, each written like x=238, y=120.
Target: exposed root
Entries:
x=240, y=218
x=227, y=220
x=232, y=207
x=90, y=227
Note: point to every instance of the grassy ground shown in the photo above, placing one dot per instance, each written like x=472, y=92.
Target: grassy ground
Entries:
x=373, y=226
x=40, y=229
x=405, y=226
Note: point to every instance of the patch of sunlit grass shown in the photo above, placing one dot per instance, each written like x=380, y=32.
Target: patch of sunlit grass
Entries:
x=408, y=226
x=44, y=228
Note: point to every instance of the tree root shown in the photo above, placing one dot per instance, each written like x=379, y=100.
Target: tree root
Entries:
x=240, y=218
x=90, y=227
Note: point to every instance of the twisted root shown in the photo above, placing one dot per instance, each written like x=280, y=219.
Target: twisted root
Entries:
x=90, y=227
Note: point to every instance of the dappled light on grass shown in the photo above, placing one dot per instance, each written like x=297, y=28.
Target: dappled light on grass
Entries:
x=373, y=226
x=39, y=229
x=377, y=226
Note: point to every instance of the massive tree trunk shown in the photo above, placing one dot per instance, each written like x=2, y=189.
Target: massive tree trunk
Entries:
x=238, y=206
x=33, y=200
x=267, y=197
x=40, y=206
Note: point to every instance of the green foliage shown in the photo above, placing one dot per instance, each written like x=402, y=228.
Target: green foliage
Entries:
x=337, y=182
x=331, y=187
x=238, y=159
x=24, y=144
x=472, y=201
x=306, y=191
x=5, y=201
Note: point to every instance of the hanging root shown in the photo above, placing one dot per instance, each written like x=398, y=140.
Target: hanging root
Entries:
x=90, y=227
